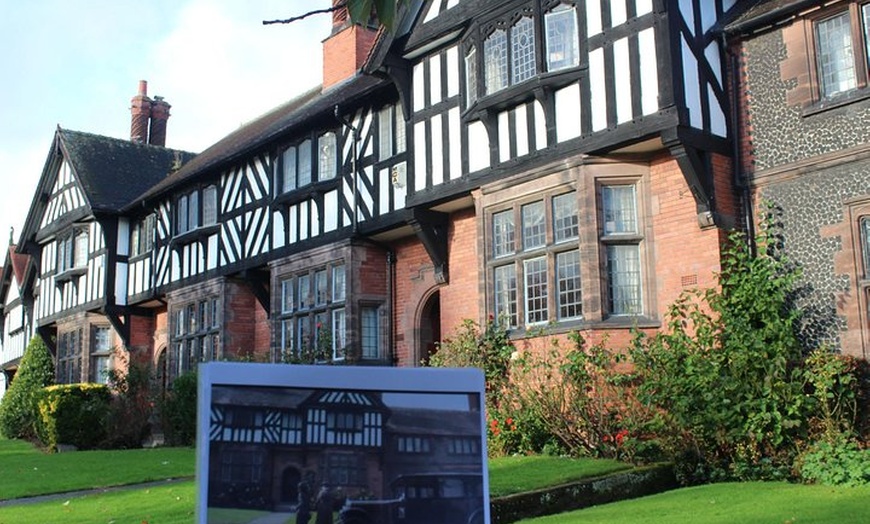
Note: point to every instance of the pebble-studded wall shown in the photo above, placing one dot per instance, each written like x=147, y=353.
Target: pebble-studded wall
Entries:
x=808, y=202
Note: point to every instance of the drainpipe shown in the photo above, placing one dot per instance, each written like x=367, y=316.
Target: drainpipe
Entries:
x=355, y=138
x=391, y=301
x=739, y=177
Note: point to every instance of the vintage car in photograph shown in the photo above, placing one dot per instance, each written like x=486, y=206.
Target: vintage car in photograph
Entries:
x=422, y=498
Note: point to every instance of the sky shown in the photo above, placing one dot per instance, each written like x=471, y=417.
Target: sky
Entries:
x=77, y=64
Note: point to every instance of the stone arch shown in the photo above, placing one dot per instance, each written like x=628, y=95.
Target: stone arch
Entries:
x=427, y=325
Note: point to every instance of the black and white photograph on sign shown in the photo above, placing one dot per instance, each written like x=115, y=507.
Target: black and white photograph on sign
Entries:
x=289, y=444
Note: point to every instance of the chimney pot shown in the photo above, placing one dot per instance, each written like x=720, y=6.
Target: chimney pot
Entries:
x=140, y=111
x=159, y=116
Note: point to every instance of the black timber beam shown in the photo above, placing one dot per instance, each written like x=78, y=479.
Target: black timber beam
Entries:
x=258, y=282
x=119, y=318
x=431, y=228
x=695, y=163
x=47, y=334
x=399, y=71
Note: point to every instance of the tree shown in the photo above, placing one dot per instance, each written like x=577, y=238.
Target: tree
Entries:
x=19, y=409
x=360, y=12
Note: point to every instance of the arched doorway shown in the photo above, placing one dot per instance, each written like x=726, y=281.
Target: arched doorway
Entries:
x=430, y=327
x=162, y=371
x=290, y=485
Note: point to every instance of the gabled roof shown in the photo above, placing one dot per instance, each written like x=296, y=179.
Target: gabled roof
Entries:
x=297, y=115
x=756, y=14
x=12, y=273
x=109, y=171
x=113, y=172
x=19, y=264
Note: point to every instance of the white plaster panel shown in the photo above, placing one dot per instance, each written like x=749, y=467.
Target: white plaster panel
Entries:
x=478, y=146
x=454, y=125
x=649, y=75
x=522, y=130
x=437, y=151
x=598, y=94
x=623, y=82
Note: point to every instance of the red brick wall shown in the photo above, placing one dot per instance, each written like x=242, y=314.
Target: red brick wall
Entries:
x=246, y=329
x=415, y=280
x=460, y=299
x=345, y=52
x=685, y=255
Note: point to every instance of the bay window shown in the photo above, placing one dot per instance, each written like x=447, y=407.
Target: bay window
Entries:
x=312, y=320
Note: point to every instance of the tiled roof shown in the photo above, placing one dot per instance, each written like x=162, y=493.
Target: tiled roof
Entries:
x=19, y=264
x=113, y=172
x=291, y=116
x=754, y=14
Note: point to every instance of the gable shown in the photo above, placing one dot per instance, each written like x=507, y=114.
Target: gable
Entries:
x=65, y=196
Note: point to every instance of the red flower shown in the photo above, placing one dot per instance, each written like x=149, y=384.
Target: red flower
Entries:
x=509, y=421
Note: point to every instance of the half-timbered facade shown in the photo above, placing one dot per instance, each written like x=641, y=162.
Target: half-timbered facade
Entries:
x=554, y=164
x=77, y=243
x=802, y=79
x=17, y=324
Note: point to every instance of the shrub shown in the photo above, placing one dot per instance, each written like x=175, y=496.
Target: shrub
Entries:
x=18, y=410
x=584, y=396
x=178, y=411
x=73, y=414
x=725, y=374
x=132, y=405
x=834, y=462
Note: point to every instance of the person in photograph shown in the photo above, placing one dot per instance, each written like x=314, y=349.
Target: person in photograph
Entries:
x=303, y=508
x=324, y=505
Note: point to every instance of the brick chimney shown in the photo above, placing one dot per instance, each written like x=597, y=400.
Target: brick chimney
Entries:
x=346, y=49
x=159, y=116
x=140, y=108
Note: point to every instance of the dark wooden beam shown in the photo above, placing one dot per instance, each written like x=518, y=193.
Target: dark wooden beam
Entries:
x=431, y=229
x=258, y=282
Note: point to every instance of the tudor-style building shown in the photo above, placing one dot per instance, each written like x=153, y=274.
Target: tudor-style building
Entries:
x=17, y=323
x=554, y=163
x=802, y=77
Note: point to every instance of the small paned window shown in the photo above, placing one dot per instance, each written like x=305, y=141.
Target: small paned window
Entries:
x=142, y=236
x=471, y=76
x=371, y=332
x=570, y=298
x=523, y=50
x=620, y=209
x=72, y=249
x=565, y=221
x=496, y=60
x=181, y=224
x=320, y=288
x=328, y=156
x=338, y=283
x=503, y=233
x=304, y=170
x=288, y=162
x=865, y=245
x=196, y=335
x=413, y=445
x=536, y=292
x=841, y=50
x=339, y=330
x=534, y=225
x=102, y=340
x=622, y=249
x=193, y=210
x=209, y=206
x=562, y=41
x=385, y=132
x=505, y=293
x=311, y=323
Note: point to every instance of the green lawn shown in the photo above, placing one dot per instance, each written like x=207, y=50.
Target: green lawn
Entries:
x=26, y=471
x=748, y=502
x=509, y=475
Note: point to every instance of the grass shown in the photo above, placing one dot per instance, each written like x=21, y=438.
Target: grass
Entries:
x=747, y=502
x=508, y=475
x=171, y=504
x=28, y=471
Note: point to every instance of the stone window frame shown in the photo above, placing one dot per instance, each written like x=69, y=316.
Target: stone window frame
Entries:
x=586, y=180
x=307, y=317
x=859, y=217
x=101, y=354
x=195, y=334
x=801, y=62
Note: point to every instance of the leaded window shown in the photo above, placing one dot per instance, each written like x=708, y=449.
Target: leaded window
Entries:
x=370, y=328
x=328, y=156
x=842, y=48
x=622, y=249
x=570, y=295
x=523, y=50
x=536, y=290
x=209, y=206
x=503, y=233
x=496, y=61
x=72, y=249
x=505, y=294
x=311, y=325
x=471, y=76
x=562, y=41
x=195, y=334
x=565, y=221
x=534, y=225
